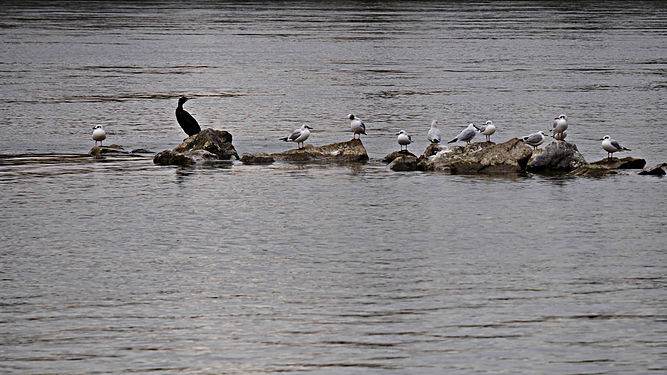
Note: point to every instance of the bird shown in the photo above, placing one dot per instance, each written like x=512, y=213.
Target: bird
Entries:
x=403, y=139
x=434, y=135
x=487, y=129
x=185, y=120
x=466, y=135
x=299, y=135
x=560, y=125
x=560, y=136
x=358, y=126
x=534, y=139
x=99, y=134
x=611, y=146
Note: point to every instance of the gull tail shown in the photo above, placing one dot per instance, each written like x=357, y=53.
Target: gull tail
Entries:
x=626, y=149
x=435, y=141
x=284, y=139
x=453, y=140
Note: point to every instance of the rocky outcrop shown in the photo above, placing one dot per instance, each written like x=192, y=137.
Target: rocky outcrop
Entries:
x=623, y=163
x=433, y=148
x=342, y=152
x=655, y=171
x=557, y=156
x=404, y=163
x=479, y=157
x=257, y=158
x=207, y=145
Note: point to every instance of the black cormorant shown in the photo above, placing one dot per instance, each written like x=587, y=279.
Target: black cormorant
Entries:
x=185, y=120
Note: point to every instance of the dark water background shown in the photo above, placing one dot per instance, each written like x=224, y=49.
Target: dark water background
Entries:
x=119, y=266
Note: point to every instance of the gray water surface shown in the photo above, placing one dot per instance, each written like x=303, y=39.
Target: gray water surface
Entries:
x=118, y=266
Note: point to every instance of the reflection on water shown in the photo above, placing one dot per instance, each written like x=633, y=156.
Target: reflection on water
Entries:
x=120, y=266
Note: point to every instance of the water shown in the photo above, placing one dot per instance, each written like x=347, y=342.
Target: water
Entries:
x=119, y=266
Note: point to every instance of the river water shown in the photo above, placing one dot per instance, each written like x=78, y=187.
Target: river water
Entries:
x=119, y=266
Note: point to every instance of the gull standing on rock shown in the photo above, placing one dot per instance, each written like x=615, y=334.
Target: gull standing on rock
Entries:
x=357, y=126
x=99, y=134
x=299, y=135
x=466, y=135
x=434, y=135
x=560, y=125
x=487, y=129
x=534, y=139
x=185, y=120
x=403, y=139
x=611, y=146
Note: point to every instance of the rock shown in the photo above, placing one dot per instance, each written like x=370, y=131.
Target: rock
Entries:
x=207, y=145
x=433, y=149
x=404, y=163
x=479, y=157
x=624, y=163
x=590, y=170
x=172, y=158
x=258, y=158
x=343, y=152
x=98, y=152
x=141, y=151
x=557, y=156
x=396, y=154
x=655, y=171
x=218, y=142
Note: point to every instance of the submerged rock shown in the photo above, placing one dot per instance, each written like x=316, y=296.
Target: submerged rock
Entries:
x=655, y=171
x=404, y=163
x=207, y=145
x=479, y=157
x=349, y=151
x=623, y=163
x=98, y=152
x=590, y=170
x=557, y=156
x=396, y=154
x=257, y=158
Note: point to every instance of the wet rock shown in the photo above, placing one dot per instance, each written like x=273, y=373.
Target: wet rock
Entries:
x=404, y=163
x=590, y=170
x=342, y=152
x=433, y=149
x=396, y=154
x=655, y=171
x=205, y=146
x=623, y=163
x=257, y=158
x=98, y=152
x=173, y=158
x=557, y=156
x=479, y=157
x=141, y=151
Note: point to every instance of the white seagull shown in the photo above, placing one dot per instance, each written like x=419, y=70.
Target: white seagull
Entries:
x=487, y=129
x=299, y=135
x=560, y=124
x=99, y=134
x=466, y=135
x=434, y=135
x=611, y=146
x=534, y=139
x=560, y=136
x=357, y=126
x=403, y=139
